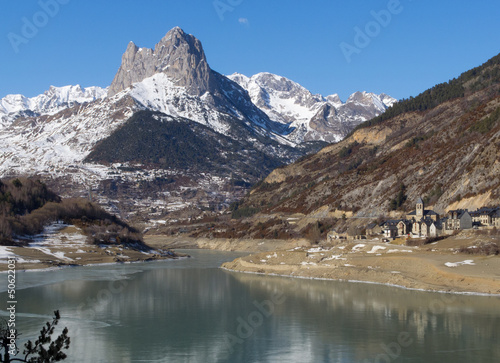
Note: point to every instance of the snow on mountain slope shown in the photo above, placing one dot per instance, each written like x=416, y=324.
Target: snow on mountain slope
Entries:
x=174, y=77
x=159, y=93
x=54, y=142
x=314, y=117
x=50, y=102
x=280, y=98
x=387, y=100
x=62, y=125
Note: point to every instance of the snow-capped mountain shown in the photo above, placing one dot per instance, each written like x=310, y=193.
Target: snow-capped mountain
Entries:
x=280, y=98
x=262, y=120
x=175, y=78
x=59, y=128
x=313, y=117
x=50, y=102
x=52, y=143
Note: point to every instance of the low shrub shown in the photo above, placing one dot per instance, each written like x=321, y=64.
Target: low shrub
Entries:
x=483, y=248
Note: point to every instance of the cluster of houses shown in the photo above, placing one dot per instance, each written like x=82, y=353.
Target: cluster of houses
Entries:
x=426, y=223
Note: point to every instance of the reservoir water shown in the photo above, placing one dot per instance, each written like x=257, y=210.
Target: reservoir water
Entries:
x=191, y=311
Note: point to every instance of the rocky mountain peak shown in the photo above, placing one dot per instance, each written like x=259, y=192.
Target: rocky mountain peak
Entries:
x=359, y=97
x=334, y=99
x=178, y=55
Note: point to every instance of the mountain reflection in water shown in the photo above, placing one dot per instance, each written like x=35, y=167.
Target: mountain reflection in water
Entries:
x=191, y=311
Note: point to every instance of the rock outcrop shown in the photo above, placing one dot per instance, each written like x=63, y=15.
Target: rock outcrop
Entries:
x=179, y=55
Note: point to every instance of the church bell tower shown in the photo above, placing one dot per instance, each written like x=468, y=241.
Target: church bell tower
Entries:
x=420, y=208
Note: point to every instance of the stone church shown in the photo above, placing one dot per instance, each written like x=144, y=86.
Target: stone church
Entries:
x=420, y=223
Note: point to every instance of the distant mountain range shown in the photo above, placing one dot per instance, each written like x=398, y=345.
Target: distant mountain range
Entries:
x=312, y=117
x=48, y=103
x=72, y=134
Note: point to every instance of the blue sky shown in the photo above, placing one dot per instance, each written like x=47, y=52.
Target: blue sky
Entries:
x=419, y=44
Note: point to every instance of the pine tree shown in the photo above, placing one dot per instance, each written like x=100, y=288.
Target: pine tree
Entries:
x=43, y=350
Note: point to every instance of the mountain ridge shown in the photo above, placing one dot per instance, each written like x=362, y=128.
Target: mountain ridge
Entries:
x=52, y=101
x=313, y=117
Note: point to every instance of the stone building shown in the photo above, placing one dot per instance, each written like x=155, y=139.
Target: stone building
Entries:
x=422, y=222
x=404, y=227
x=421, y=213
x=486, y=216
x=391, y=229
x=458, y=219
x=373, y=229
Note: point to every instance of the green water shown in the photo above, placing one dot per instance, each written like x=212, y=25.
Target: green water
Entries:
x=191, y=311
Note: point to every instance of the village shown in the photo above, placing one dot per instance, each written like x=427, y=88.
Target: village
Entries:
x=426, y=223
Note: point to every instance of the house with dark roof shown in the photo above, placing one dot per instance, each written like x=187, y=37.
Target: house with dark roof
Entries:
x=486, y=215
x=373, y=229
x=458, y=219
x=404, y=227
x=391, y=228
x=476, y=218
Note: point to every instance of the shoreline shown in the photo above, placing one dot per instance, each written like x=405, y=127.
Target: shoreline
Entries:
x=223, y=244
x=70, y=254
x=414, y=268
x=467, y=293
x=430, y=268
x=68, y=266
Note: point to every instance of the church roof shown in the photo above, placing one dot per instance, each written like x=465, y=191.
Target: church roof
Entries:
x=430, y=212
x=426, y=213
x=419, y=201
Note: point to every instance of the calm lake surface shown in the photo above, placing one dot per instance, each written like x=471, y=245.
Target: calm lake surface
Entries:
x=191, y=311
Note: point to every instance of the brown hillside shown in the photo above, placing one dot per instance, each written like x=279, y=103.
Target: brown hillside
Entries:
x=448, y=154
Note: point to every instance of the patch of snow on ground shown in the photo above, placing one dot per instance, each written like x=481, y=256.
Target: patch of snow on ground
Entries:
x=59, y=255
x=51, y=236
x=395, y=251
x=376, y=248
x=22, y=260
x=456, y=264
x=316, y=249
x=5, y=253
x=357, y=247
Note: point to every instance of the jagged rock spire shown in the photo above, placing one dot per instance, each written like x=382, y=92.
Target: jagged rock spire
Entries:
x=179, y=55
